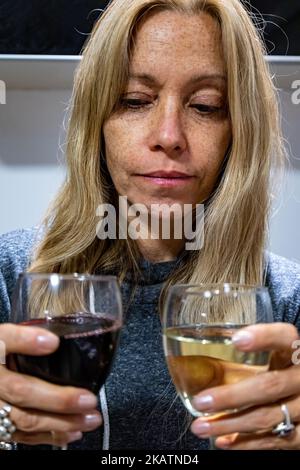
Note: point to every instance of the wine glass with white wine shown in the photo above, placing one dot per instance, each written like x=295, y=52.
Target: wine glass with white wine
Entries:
x=198, y=324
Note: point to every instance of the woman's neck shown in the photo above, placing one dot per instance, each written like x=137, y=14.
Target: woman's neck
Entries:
x=158, y=251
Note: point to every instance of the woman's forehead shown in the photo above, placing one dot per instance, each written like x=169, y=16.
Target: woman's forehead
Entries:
x=168, y=28
x=182, y=42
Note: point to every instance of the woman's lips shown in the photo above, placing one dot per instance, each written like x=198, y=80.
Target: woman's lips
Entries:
x=167, y=179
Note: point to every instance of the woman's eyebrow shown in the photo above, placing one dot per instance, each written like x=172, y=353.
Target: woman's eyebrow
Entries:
x=151, y=80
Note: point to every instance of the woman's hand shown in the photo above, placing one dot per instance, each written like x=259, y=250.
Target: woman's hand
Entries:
x=43, y=413
x=262, y=395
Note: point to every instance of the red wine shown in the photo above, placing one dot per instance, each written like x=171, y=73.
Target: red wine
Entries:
x=84, y=355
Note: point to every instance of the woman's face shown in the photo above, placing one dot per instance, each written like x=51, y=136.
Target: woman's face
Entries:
x=169, y=135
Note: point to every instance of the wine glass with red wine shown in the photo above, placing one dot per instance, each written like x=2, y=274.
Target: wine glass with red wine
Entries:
x=84, y=311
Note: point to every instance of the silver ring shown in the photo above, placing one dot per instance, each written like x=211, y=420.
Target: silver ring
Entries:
x=286, y=427
x=7, y=428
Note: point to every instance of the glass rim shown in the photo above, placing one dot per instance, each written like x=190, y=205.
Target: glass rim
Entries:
x=69, y=277
x=231, y=286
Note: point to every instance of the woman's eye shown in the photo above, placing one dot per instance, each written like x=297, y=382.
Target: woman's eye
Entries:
x=133, y=103
x=206, y=109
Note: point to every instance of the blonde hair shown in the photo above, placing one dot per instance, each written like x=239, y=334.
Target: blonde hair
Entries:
x=236, y=222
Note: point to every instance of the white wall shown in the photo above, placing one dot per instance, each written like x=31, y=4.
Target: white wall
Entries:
x=285, y=222
x=30, y=130
x=30, y=171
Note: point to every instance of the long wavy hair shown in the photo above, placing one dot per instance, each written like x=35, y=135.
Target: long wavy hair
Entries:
x=236, y=215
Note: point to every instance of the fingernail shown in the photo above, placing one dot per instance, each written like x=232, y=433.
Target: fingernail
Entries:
x=74, y=436
x=203, y=403
x=87, y=401
x=243, y=338
x=47, y=341
x=223, y=442
x=202, y=428
x=92, y=420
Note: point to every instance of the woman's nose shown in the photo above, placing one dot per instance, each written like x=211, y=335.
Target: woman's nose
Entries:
x=168, y=134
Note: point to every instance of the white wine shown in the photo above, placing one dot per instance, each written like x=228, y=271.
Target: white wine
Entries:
x=203, y=356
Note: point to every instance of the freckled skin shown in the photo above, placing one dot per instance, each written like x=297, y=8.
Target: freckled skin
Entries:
x=179, y=126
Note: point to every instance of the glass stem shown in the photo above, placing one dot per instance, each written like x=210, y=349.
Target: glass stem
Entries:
x=212, y=444
x=60, y=447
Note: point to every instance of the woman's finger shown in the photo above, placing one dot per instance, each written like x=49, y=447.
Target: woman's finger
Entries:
x=29, y=392
x=27, y=340
x=34, y=421
x=264, y=388
x=264, y=441
x=50, y=438
x=248, y=421
x=266, y=337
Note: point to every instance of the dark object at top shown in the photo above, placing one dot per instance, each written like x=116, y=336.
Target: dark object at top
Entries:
x=62, y=26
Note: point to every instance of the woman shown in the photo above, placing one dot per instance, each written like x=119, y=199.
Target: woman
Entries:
x=172, y=103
